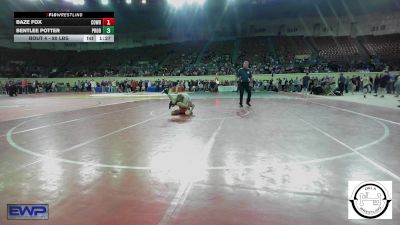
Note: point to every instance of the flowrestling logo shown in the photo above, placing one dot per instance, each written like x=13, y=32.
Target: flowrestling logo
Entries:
x=27, y=211
x=370, y=200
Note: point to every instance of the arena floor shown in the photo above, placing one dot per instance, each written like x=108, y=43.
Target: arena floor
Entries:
x=286, y=160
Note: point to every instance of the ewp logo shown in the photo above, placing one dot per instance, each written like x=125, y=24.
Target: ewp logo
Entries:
x=28, y=212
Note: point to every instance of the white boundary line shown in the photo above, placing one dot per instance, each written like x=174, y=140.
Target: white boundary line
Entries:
x=83, y=108
x=15, y=145
x=383, y=169
x=55, y=124
x=358, y=113
x=24, y=117
x=185, y=187
x=73, y=120
x=377, y=141
x=177, y=202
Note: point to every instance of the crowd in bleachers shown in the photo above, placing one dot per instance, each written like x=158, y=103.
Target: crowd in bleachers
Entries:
x=326, y=85
x=14, y=87
x=276, y=55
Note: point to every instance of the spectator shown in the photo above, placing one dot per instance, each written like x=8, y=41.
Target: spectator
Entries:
x=397, y=86
x=376, y=84
x=53, y=87
x=93, y=86
x=365, y=84
x=341, y=82
x=383, y=82
x=24, y=85
x=2, y=90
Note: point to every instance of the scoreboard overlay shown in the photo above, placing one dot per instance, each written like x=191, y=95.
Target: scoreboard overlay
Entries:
x=64, y=26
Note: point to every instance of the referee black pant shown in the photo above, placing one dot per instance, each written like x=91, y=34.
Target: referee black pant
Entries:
x=244, y=86
x=341, y=88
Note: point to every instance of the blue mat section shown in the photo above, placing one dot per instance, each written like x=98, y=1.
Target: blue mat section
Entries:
x=152, y=89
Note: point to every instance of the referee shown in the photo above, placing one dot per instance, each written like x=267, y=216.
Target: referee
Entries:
x=244, y=78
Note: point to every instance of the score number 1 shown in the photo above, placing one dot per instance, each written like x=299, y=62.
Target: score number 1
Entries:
x=108, y=25
x=108, y=22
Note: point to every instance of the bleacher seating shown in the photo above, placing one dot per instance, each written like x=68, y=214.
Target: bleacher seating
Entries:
x=386, y=47
x=265, y=54
x=336, y=49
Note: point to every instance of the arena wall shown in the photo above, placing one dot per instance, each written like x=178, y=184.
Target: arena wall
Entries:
x=371, y=24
